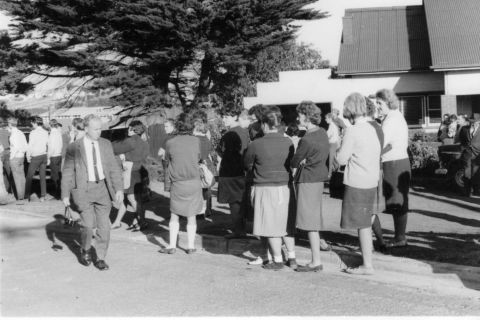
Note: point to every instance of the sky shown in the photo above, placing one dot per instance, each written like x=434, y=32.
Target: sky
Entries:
x=325, y=34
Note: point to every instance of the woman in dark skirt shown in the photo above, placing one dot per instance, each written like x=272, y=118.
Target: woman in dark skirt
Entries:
x=231, y=181
x=396, y=164
x=311, y=159
x=182, y=154
x=360, y=153
x=136, y=150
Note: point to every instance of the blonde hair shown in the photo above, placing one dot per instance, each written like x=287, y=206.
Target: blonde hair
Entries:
x=354, y=106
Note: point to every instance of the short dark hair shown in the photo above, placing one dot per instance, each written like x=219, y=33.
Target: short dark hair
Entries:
x=272, y=117
x=37, y=120
x=184, y=124
x=311, y=111
x=77, y=123
x=258, y=110
x=53, y=123
x=292, y=130
x=137, y=127
x=371, y=107
x=453, y=117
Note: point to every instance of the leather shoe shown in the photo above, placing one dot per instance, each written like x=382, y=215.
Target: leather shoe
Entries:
x=167, y=250
x=101, y=265
x=85, y=257
x=275, y=266
x=308, y=268
x=190, y=251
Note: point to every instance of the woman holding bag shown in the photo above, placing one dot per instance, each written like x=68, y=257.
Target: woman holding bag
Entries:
x=136, y=151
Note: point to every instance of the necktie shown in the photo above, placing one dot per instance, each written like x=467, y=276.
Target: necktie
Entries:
x=95, y=170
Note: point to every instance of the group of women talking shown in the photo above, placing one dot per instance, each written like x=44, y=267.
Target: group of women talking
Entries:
x=282, y=179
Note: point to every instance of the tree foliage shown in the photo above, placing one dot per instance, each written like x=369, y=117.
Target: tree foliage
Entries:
x=155, y=51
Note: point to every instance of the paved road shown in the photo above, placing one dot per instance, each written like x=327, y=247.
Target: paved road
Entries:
x=37, y=281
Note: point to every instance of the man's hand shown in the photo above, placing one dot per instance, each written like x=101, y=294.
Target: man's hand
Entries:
x=66, y=202
x=119, y=197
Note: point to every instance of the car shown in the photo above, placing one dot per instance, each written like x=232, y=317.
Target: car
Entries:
x=451, y=165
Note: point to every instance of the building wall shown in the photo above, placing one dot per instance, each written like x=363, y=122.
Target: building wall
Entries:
x=316, y=85
x=466, y=82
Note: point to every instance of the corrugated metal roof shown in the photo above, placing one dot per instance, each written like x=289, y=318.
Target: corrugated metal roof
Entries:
x=454, y=28
x=384, y=40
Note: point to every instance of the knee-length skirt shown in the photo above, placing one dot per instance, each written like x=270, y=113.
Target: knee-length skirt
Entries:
x=271, y=210
x=309, y=206
x=357, y=208
x=396, y=184
x=186, y=198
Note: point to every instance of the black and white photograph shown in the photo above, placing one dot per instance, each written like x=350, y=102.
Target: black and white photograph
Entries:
x=239, y=158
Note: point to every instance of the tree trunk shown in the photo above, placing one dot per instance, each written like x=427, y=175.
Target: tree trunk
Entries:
x=204, y=81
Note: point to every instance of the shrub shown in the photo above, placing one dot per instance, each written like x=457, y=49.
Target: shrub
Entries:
x=423, y=156
x=421, y=135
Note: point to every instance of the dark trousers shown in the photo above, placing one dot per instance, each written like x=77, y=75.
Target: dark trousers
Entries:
x=37, y=163
x=55, y=174
x=7, y=172
x=96, y=215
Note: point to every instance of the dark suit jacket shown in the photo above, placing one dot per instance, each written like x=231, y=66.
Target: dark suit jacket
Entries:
x=75, y=168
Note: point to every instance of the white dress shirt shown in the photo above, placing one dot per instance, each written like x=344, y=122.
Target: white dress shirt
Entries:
x=360, y=152
x=395, y=132
x=88, y=149
x=55, y=143
x=18, y=143
x=333, y=133
x=37, y=142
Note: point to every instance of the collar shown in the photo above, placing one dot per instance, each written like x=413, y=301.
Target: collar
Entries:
x=88, y=140
x=311, y=130
x=361, y=120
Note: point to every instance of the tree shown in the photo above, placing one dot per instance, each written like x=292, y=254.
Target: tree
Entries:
x=149, y=48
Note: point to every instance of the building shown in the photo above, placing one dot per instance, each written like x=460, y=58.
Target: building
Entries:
x=66, y=115
x=428, y=54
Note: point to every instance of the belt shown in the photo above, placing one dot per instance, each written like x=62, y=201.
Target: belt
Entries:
x=98, y=181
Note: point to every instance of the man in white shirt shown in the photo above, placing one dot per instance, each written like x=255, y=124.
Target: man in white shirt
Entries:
x=18, y=147
x=37, y=157
x=93, y=179
x=55, y=147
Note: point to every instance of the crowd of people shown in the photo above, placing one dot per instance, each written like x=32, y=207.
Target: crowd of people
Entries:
x=269, y=171
x=462, y=130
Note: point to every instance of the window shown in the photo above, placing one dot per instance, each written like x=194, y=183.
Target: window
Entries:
x=412, y=109
x=434, y=109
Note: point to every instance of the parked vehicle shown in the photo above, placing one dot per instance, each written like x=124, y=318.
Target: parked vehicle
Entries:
x=451, y=165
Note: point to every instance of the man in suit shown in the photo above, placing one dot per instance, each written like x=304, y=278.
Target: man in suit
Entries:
x=94, y=179
x=471, y=156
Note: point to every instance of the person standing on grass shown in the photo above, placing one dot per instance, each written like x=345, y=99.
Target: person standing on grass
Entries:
x=18, y=147
x=232, y=180
x=37, y=157
x=269, y=158
x=182, y=155
x=395, y=163
x=360, y=153
x=310, y=160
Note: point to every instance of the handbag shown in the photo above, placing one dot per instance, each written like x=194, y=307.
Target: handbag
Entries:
x=206, y=176
x=69, y=221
